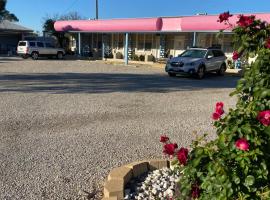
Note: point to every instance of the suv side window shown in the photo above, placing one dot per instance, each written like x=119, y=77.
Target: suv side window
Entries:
x=32, y=44
x=218, y=53
x=40, y=44
x=209, y=53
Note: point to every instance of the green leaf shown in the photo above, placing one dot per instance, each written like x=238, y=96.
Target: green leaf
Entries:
x=249, y=180
x=265, y=93
x=236, y=179
x=267, y=130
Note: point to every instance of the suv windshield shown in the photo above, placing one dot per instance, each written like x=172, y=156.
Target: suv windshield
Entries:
x=194, y=53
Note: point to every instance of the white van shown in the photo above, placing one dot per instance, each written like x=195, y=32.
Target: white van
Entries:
x=37, y=49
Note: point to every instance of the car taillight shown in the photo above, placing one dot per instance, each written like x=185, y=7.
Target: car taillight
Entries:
x=27, y=49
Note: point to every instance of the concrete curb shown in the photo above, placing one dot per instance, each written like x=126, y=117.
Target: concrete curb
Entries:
x=120, y=176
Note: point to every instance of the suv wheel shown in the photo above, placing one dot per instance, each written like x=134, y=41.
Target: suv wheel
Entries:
x=171, y=74
x=34, y=55
x=201, y=72
x=59, y=55
x=221, y=70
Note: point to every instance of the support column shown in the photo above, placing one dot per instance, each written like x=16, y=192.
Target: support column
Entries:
x=194, y=39
x=103, y=47
x=126, y=50
x=79, y=44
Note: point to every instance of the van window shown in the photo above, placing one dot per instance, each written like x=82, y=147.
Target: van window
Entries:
x=49, y=45
x=22, y=43
x=32, y=44
x=40, y=44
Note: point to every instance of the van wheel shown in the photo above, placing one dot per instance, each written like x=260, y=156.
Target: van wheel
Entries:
x=59, y=55
x=34, y=55
x=221, y=70
x=201, y=72
x=24, y=56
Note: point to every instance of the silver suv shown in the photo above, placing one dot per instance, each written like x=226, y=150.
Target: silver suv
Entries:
x=37, y=49
x=197, y=61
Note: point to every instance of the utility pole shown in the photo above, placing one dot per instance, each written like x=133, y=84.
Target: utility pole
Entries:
x=96, y=9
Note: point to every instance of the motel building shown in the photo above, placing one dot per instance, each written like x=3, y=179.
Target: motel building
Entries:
x=148, y=39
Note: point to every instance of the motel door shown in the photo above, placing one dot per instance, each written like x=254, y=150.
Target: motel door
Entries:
x=178, y=45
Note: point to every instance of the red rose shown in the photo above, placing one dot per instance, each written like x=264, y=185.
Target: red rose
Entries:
x=264, y=117
x=216, y=116
x=219, y=108
x=242, y=144
x=195, y=191
x=245, y=21
x=236, y=55
x=224, y=16
x=182, y=155
x=169, y=149
x=164, y=138
x=267, y=44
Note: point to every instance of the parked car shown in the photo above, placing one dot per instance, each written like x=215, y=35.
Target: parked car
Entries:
x=197, y=61
x=37, y=49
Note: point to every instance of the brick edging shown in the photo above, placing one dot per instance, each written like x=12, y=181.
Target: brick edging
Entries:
x=118, y=177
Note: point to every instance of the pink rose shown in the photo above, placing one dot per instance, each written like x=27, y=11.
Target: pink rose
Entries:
x=236, y=55
x=267, y=44
x=216, y=116
x=224, y=16
x=264, y=117
x=164, y=138
x=219, y=111
x=245, y=21
x=169, y=149
x=219, y=108
x=195, y=191
x=182, y=156
x=242, y=144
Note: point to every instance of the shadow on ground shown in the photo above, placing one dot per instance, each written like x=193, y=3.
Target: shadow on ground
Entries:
x=60, y=83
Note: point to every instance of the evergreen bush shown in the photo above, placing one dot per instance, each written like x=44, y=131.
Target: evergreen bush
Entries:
x=236, y=165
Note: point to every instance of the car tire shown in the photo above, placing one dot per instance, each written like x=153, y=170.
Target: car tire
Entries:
x=201, y=72
x=221, y=70
x=24, y=56
x=171, y=74
x=59, y=56
x=34, y=55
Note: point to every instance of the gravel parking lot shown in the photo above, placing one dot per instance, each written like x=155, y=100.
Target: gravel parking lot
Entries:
x=65, y=124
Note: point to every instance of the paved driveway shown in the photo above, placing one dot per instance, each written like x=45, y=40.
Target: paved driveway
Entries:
x=65, y=124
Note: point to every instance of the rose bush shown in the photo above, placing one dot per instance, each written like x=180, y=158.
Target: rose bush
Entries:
x=236, y=165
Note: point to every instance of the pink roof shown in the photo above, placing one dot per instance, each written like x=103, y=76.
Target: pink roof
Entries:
x=198, y=23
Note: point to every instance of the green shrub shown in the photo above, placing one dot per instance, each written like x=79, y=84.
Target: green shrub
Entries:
x=142, y=57
x=236, y=165
x=119, y=55
x=135, y=57
x=151, y=58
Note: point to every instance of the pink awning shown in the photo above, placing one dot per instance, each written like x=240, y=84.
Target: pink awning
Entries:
x=113, y=25
x=210, y=23
x=203, y=23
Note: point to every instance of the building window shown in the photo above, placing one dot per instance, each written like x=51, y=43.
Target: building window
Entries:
x=118, y=41
x=121, y=41
x=148, y=42
x=140, y=42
